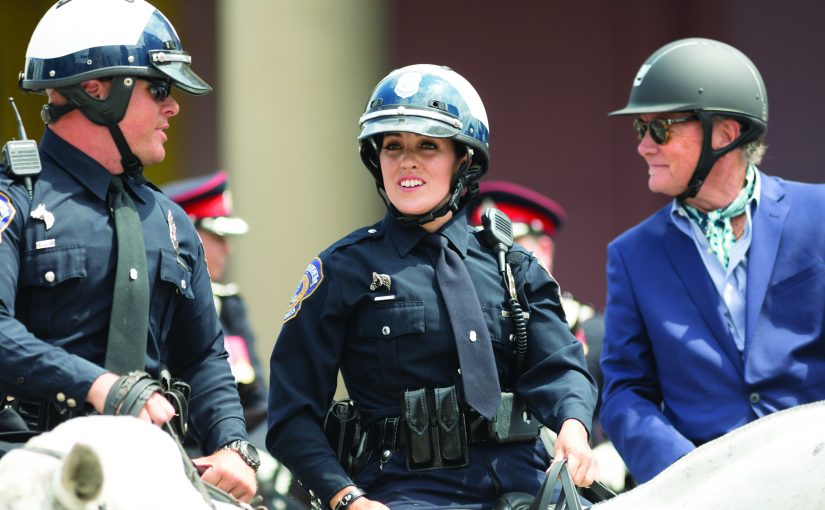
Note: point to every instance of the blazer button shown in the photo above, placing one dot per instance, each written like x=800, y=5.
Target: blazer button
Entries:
x=755, y=398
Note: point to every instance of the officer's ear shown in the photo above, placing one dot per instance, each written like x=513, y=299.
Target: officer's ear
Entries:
x=98, y=89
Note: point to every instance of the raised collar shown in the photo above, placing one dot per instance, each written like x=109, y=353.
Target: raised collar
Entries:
x=405, y=238
x=85, y=170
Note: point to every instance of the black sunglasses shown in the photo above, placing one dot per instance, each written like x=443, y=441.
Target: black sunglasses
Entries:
x=659, y=128
x=160, y=88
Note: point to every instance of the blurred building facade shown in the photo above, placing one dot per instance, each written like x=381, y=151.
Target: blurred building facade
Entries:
x=291, y=79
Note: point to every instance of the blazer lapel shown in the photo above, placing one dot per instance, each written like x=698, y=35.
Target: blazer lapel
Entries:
x=691, y=270
x=767, y=230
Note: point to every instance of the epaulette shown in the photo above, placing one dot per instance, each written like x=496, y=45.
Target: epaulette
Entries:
x=224, y=289
x=375, y=231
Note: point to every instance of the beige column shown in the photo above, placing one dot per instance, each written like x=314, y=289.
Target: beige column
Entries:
x=295, y=76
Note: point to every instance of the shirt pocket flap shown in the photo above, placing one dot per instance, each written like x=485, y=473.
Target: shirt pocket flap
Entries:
x=50, y=267
x=499, y=323
x=175, y=271
x=391, y=320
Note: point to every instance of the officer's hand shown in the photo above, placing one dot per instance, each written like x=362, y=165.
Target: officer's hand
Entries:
x=100, y=389
x=226, y=470
x=367, y=504
x=362, y=503
x=572, y=445
x=156, y=410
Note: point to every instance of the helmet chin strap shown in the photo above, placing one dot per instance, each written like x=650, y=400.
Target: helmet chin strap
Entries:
x=452, y=203
x=103, y=112
x=709, y=156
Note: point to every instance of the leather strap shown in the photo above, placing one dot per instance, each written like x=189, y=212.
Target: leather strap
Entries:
x=347, y=499
x=129, y=393
x=568, y=498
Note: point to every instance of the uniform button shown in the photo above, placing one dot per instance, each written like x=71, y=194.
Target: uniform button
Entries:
x=49, y=276
x=371, y=231
x=385, y=330
x=21, y=379
x=71, y=402
x=61, y=397
x=9, y=398
x=755, y=398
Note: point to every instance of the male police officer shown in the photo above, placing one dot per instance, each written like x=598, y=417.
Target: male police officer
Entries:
x=107, y=67
x=208, y=202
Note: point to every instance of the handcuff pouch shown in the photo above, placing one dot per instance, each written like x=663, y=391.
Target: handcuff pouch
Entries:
x=513, y=421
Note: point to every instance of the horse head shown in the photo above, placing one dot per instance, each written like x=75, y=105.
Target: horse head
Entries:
x=88, y=463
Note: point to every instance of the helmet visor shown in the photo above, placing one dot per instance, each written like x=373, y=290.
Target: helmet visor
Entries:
x=407, y=124
x=176, y=65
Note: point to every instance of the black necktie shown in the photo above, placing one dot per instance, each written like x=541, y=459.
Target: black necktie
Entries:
x=475, y=349
x=129, y=322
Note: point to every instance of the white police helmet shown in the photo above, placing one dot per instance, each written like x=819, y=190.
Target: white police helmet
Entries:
x=78, y=40
x=435, y=101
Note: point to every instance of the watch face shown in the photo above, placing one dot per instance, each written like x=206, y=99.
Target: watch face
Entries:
x=252, y=452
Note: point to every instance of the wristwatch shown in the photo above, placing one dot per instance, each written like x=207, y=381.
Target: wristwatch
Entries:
x=248, y=453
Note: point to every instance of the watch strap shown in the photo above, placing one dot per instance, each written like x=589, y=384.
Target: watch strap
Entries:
x=348, y=498
x=241, y=447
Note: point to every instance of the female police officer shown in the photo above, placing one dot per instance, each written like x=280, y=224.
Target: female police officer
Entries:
x=371, y=305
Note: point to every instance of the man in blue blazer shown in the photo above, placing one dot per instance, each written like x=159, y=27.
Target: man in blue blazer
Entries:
x=715, y=303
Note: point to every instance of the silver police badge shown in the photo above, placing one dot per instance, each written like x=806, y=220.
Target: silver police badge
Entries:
x=380, y=280
x=173, y=231
x=40, y=213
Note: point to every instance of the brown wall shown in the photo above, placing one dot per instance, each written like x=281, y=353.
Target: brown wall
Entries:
x=549, y=71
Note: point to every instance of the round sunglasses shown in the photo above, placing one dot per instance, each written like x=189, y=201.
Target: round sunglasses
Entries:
x=659, y=128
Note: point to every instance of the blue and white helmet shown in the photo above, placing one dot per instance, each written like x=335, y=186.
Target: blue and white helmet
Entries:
x=78, y=40
x=427, y=100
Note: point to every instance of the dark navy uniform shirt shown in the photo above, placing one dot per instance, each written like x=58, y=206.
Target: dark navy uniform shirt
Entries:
x=56, y=288
x=386, y=341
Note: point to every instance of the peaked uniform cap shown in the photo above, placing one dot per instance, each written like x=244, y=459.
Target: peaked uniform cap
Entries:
x=208, y=202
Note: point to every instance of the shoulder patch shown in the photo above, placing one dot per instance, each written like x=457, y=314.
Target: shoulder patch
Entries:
x=7, y=213
x=313, y=276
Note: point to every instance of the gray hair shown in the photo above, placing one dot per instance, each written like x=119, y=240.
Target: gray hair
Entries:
x=755, y=151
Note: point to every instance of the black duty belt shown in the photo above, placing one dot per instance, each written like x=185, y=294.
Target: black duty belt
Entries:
x=387, y=434
x=40, y=415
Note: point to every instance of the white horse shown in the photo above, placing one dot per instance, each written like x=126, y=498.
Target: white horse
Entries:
x=112, y=462
x=125, y=463
x=775, y=462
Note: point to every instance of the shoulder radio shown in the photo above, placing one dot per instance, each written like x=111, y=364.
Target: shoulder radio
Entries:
x=21, y=156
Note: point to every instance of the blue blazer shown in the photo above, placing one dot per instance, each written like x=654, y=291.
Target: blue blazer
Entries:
x=673, y=377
